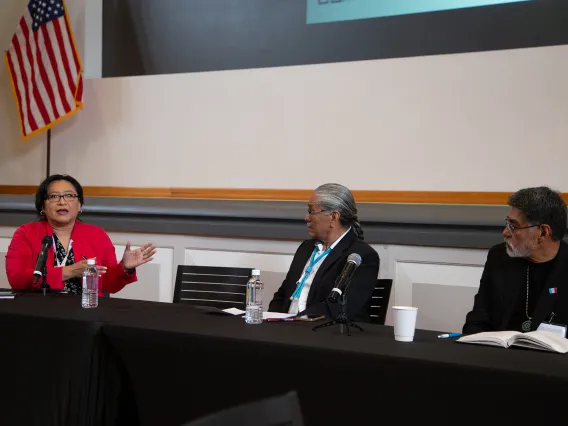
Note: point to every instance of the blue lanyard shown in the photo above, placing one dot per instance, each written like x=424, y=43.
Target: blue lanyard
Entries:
x=313, y=262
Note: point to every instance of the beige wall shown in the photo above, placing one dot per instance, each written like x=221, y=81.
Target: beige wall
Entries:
x=468, y=122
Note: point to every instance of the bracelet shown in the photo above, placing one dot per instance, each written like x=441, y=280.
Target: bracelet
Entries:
x=127, y=271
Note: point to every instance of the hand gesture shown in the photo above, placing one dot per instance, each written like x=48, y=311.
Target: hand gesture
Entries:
x=131, y=259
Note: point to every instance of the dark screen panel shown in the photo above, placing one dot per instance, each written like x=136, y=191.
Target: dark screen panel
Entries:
x=143, y=37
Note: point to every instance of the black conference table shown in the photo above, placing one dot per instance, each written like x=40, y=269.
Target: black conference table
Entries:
x=144, y=363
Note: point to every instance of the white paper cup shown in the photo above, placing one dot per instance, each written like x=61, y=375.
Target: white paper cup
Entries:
x=404, y=323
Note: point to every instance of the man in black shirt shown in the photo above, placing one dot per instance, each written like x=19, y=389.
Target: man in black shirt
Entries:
x=524, y=281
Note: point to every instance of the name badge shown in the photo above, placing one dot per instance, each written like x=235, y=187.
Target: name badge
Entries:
x=552, y=328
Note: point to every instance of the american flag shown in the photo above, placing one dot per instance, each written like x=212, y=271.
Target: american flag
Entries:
x=45, y=68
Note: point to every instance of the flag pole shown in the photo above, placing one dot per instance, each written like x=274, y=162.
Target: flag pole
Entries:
x=48, y=156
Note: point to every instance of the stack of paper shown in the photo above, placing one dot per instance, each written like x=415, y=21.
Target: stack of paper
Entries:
x=6, y=295
x=265, y=315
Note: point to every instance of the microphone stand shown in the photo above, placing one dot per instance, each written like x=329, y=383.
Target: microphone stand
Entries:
x=44, y=285
x=341, y=319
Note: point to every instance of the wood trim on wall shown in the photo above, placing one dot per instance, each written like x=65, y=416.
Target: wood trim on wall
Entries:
x=413, y=197
x=17, y=190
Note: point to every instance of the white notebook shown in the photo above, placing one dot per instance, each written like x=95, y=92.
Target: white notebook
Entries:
x=542, y=340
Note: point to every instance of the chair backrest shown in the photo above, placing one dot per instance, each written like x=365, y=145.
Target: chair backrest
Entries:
x=217, y=286
x=283, y=410
x=379, y=301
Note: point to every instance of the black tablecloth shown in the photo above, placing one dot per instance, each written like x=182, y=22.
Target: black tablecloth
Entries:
x=164, y=364
x=57, y=369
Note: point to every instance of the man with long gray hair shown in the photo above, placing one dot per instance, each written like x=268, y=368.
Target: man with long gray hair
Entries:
x=525, y=279
x=335, y=233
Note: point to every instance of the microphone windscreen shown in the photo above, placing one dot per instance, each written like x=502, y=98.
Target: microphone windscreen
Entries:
x=46, y=241
x=354, y=258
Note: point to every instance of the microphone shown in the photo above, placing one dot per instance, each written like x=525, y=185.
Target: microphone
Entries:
x=46, y=243
x=343, y=280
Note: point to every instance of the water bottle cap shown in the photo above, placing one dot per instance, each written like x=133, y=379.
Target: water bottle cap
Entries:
x=256, y=272
x=91, y=262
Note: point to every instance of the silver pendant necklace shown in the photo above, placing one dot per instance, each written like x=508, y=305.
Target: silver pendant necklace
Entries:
x=527, y=324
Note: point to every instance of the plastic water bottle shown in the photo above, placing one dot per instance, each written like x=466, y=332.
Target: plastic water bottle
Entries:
x=254, y=299
x=90, y=298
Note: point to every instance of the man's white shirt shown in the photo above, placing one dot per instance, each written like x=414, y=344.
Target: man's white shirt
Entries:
x=303, y=299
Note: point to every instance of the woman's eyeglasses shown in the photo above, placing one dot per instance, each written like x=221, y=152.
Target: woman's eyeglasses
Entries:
x=54, y=198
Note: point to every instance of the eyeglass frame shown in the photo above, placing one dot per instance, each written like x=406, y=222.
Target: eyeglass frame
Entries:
x=311, y=213
x=512, y=229
x=55, y=198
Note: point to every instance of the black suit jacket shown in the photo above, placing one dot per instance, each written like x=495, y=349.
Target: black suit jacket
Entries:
x=359, y=292
x=502, y=280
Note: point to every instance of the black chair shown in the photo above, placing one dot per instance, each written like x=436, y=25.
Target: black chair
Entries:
x=216, y=286
x=283, y=410
x=379, y=301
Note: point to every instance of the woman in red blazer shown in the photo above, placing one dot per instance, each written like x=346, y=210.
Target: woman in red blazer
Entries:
x=58, y=201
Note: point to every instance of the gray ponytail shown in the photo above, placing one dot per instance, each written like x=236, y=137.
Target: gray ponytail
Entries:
x=358, y=230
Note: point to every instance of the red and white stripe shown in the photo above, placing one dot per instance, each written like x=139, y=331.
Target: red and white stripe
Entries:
x=46, y=73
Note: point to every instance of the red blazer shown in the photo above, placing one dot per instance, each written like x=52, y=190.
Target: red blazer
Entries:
x=88, y=240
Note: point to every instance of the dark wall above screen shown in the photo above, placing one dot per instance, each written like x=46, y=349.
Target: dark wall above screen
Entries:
x=145, y=37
